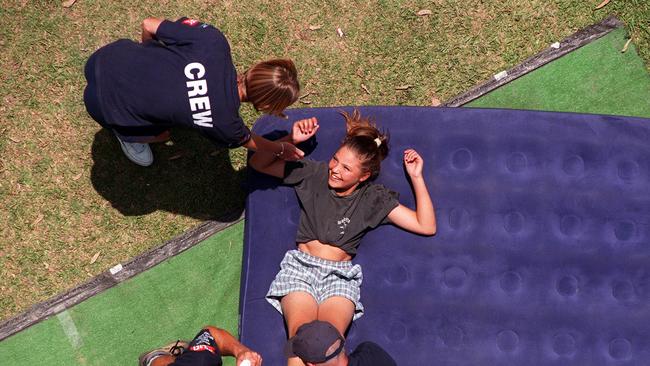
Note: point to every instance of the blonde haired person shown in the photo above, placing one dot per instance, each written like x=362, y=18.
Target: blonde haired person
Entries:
x=182, y=74
x=339, y=203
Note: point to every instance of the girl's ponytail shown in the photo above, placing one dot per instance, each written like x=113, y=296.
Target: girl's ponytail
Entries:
x=368, y=142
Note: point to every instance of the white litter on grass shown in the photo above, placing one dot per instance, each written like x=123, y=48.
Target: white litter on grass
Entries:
x=555, y=45
x=70, y=329
x=500, y=75
x=627, y=44
x=118, y=267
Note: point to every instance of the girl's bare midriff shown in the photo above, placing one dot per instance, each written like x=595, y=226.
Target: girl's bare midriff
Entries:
x=325, y=251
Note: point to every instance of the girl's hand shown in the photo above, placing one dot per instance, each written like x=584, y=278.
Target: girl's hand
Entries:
x=304, y=129
x=290, y=152
x=413, y=163
x=253, y=357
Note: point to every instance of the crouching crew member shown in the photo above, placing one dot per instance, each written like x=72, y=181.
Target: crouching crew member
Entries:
x=182, y=74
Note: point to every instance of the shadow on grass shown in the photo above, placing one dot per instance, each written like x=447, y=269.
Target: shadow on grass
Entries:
x=191, y=177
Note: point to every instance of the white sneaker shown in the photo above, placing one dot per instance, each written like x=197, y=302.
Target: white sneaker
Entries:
x=138, y=153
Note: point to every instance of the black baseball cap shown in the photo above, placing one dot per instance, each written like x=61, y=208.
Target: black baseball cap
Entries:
x=312, y=340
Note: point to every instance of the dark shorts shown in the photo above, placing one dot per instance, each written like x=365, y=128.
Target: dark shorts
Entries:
x=93, y=107
x=203, y=351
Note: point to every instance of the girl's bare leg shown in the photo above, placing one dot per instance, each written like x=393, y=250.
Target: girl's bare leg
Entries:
x=298, y=308
x=338, y=311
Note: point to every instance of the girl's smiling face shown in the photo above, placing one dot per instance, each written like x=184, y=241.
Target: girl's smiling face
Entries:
x=345, y=171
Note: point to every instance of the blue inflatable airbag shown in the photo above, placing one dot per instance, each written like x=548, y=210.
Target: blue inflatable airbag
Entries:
x=542, y=255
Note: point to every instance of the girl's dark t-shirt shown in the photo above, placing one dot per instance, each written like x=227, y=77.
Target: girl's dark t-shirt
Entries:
x=340, y=221
x=184, y=77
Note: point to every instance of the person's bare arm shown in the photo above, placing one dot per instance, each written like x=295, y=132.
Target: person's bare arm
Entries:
x=272, y=164
x=229, y=346
x=149, y=28
x=269, y=163
x=423, y=219
x=284, y=151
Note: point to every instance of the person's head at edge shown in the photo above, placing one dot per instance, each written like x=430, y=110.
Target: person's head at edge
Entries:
x=318, y=343
x=271, y=86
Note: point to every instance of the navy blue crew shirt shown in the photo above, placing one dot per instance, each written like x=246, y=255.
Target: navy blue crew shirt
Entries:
x=184, y=77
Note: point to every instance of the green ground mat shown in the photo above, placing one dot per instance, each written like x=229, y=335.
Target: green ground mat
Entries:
x=172, y=300
x=201, y=285
x=596, y=78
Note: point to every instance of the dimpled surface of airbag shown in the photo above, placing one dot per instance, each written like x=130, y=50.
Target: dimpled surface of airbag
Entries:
x=542, y=255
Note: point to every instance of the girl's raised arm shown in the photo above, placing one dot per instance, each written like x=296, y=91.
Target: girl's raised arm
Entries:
x=273, y=164
x=423, y=219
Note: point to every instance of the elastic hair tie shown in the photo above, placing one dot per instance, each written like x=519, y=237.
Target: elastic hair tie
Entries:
x=378, y=141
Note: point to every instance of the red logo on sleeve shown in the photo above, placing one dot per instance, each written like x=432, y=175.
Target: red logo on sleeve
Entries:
x=191, y=22
x=202, y=347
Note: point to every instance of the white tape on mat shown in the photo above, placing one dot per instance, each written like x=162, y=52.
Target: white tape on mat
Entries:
x=555, y=45
x=70, y=329
x=500, y=75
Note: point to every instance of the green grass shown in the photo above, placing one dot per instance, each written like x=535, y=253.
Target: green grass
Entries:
x=170, y=301
x=584, y=81
x=66, y=191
